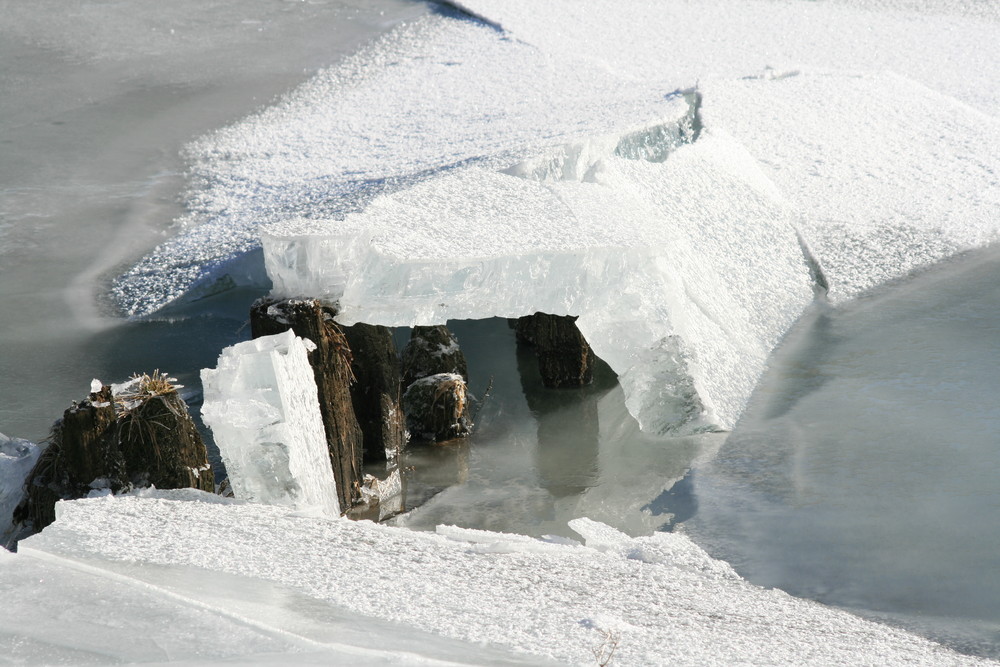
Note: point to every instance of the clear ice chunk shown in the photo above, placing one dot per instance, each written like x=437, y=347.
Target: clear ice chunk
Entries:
x=262, y=407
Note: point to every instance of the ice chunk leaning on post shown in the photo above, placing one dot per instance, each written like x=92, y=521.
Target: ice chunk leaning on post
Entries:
x=262, y=406
x=684, y=272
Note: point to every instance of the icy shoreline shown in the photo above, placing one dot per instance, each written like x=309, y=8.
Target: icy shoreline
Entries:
x=661, y=598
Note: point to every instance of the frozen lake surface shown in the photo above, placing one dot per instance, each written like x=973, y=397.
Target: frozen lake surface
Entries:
x=861, y=473
x=96, y=105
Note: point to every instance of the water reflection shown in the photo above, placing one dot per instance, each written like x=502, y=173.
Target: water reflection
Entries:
x=567, y=455
x=540, y=457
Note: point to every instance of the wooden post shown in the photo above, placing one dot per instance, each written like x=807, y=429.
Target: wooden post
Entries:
x=331, y=363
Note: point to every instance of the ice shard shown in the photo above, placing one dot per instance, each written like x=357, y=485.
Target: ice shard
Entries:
x=262, y=406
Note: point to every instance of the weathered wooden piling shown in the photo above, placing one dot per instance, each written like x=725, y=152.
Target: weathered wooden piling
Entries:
x=331, y=362
x=377, y=392
x=141, y=436
x=564, y=356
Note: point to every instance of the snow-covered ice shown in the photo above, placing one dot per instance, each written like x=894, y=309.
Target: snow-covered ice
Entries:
x=262, y=406
x=465, y=169
x=684, y=273
x=902, y=177
x=258, y=579
x=686, y=262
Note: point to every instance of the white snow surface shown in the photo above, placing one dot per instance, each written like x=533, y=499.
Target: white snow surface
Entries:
x=901, y=178
x=262, y=406
x=259, y=583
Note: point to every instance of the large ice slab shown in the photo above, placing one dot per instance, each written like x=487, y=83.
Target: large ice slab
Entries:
x=262, y=407
x=433, y=94
x=684, y=271
x=661, y=598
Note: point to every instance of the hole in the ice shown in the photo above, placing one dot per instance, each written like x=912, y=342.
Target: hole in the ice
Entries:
x=540, y=456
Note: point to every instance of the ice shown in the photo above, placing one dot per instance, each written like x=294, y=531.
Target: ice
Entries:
x=72, y=610
x=17, y=459
x=868, y=217
x=686, y=262
x=262, y=407
x=437, y=93
x=471, y=169
x=379, y=593
x=950, y=46
x=684, y=273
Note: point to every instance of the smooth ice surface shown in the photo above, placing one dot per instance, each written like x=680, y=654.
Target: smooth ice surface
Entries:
x=97, y=100
x=661, y=597
x=262, y=407
x=17, y=458
x=863, y=474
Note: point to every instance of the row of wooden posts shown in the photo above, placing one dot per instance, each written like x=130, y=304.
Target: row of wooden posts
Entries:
x=372, y=400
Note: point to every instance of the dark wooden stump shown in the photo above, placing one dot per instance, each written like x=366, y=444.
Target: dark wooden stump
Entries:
x=331, y=363
x=142, y=436
x=377, y=392
x=564, y=356
x=432, y=350
x=437, y=408
x=162, y=446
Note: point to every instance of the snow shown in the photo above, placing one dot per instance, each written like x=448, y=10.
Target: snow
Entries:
x=685, y=262
x=256, y=579
x=869, y=219
x=437, y=93
x=461, y=169
x=17, y=459
x=262, y=406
